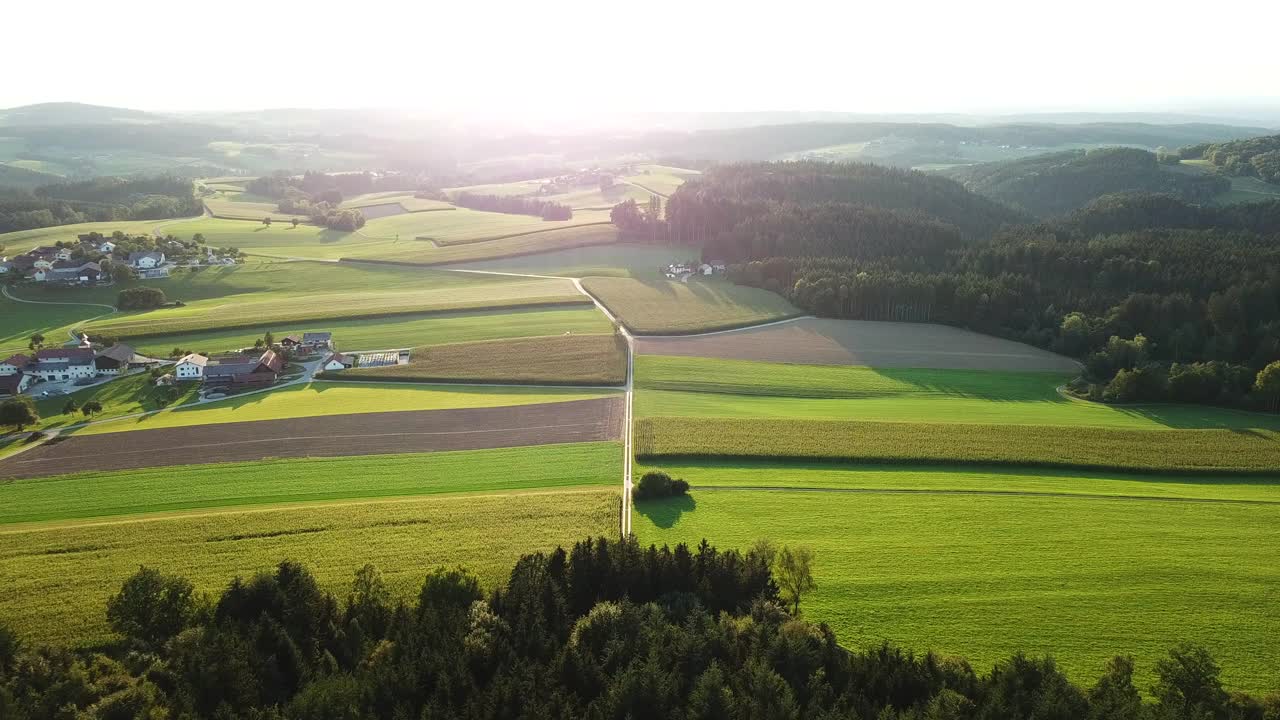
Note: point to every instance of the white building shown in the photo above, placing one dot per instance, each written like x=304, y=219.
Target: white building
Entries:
x=63, y=364
x=146, y=260
x=14, y=365
x=338, y=361
x=191, y=367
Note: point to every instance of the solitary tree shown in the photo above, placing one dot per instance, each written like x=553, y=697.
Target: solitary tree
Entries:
x=266, y=221
x=295, y=222
x=1267, y=385
x=71, y=407
x=19, y=412
x=37, y=340
x=794, y=574
x=91, y=408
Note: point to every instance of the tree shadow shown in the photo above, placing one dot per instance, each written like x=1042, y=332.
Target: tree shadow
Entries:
x=666, y=512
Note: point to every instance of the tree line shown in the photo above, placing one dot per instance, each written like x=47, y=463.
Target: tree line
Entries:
x=608, y=629
x=514, y=205
x=1253, y=157
x=104, y=199
x=1198, y=287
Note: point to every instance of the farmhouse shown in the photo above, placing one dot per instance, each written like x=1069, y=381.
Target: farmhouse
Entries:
x=68, y=272
x=290, y=342
x=191, y=367
x=145, y=260
x=14, y=365
x=338, y=361
x=11, y=385
x=239, y=370
x=63, y=364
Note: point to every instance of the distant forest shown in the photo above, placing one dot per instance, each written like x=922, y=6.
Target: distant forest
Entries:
x=1056, y=183
x=98, y=200
x=606, y=630
x=1161, y=299
x=1255, y=157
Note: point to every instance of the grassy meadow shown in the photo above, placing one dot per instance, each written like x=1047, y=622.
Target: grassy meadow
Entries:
x=616, y=260
x=599, y=359
x=124, y=396
x=401, y=331
x=60, y=574
x=658, y=307
x=334, y=398
x=23, y=240
x=19, y=321
x=983, y=576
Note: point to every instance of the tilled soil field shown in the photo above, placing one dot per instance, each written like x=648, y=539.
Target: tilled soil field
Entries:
x=817, y=341
x=337, y=435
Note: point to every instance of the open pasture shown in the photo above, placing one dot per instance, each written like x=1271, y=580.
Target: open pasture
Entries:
x=406, y=201
x=19, y=321
x=1207, y=451
x=403, y=331
x=23, y=240
x=615, y=260
x=232, y=206
x=59, y=575
x=123, y=396
x=323, y=399
x=464, y=226
x=818, y=341
x=306, y=293
x=375, y=433
x=567, y=359
x=657, y=307
x=705, y=387
x=988, y=574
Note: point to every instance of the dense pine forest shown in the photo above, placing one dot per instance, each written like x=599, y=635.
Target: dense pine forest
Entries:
x=1148, y=290
x=605, y=630
x=1057, y=183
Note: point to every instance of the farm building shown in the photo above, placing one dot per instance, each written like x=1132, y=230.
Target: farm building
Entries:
x=191, y=367
x=119, y=358
x=240, y=370
x=14, y=365
x=13, y=384
x=63, y=364
x=338, y=361
x=289, y=342
x=317, y=341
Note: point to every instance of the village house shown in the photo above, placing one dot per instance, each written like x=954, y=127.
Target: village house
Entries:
x=290, y=342
x=191, y=367
x=14, y=365
x=62, y=364
x=145, y=260
x=338, y=361
x=14, y=384
x=69, y=273
x=317, y=341
x=242, y=371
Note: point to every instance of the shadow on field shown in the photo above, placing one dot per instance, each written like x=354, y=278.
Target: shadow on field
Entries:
x=666, y=512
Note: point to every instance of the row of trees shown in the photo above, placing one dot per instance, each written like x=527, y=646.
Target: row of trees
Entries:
x=514, y=205
x=100, y=200
x=605, y=630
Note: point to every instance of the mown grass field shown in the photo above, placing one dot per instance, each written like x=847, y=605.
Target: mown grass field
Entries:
x=1253, y=451
x=333, y=398
x=658, y=307
x=714, y=388
x=616, y=260
x=984, y=576
x=18, y=321
x=404, y=199
x=123, y=396
x=23, y=240
x=464, y=225
x=59, y=575
x=239, y=206
x=557, y=359
x=402, y=331
x=286, y=293
x=292, y=481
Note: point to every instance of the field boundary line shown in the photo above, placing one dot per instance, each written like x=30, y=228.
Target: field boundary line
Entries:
x=79, y=324
x=994, y=493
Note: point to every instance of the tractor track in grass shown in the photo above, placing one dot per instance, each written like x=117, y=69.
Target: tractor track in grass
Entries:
x=979, y=493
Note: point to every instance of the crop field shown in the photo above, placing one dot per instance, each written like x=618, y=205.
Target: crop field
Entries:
x=1007, y=568
x=403, y=331
x=703, y=387
x=294, y=293
x=405, y=200
x=658, y=307
x=466, y=226
x=24, y=240
x=661, y=179
x=521, y=187
x=616, y=260
x=59, y=574
x=818, y=341
x=1252, y=451
x=334, y=398
x=557, y=359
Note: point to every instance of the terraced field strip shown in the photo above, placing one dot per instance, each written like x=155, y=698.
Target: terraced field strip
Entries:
x=670, y=307
x=1208, y=451
x=817, y=341
x=989, y=575
x=59, y=575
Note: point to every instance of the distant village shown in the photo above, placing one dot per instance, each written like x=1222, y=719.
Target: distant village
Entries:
x=684, y=271
x=95, y=259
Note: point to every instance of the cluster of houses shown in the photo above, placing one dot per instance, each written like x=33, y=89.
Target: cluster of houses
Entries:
x=257, y=369
x=53, y=264
x=21, y=371
x=683, y=271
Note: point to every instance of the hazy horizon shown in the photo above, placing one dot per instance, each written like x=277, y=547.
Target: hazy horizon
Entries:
x=575, y=58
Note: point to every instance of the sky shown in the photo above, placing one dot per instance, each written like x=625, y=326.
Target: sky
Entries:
x=571, y=58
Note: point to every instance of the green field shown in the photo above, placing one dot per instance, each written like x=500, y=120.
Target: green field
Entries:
x=714, y=388
x=123, y=396
x=24, y=240
x=285, y=293
x=335, y=398
x=18, y=321
x=466, y=226
x=616, y=260
x=659, y=307
x=1252, y=451
x=402, y=331
x=1010, y=568
x=557, y=359
x=58, y=576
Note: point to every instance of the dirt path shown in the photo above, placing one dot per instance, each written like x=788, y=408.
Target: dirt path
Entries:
x=995, y=493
